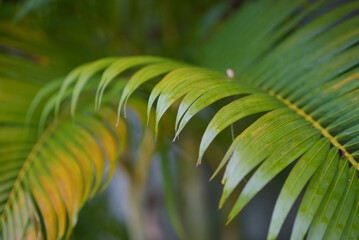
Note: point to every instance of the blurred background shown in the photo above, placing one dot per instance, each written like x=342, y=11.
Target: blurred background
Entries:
x=157, y=191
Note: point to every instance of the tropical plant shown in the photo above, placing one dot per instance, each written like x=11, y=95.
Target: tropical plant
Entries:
x=287, y=70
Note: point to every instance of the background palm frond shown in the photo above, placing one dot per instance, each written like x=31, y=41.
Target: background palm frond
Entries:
x=58, y=175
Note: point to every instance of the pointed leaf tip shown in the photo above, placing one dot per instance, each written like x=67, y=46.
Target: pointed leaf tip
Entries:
x=148, y=119
x=156, y=130
x=222, y=201
x=199, y=161
x=124, y=112
x=118, y=120
x=229, y=220
x=176, y=136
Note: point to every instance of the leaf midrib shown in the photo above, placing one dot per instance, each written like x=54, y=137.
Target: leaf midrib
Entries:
x=316, y=125
x=25, y=167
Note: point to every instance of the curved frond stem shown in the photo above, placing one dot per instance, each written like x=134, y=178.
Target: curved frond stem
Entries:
x=317, y=125
x=25, y=167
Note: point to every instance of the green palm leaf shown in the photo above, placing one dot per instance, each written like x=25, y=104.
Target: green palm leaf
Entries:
x=300, y=115
x=296, y=69
x=59, y=174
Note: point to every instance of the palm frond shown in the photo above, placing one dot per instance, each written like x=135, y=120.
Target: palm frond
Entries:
x=298, y=70
x=59, y=174
x=308, y=102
